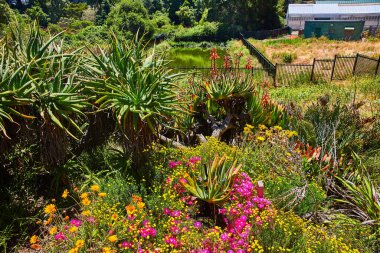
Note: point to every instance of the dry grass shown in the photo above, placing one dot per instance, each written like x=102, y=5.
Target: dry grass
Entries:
x=305, y=50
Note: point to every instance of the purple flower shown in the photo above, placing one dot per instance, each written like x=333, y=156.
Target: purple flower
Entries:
x=224, y=237
x=198, y=224
x=76, y=223
x=175, y=213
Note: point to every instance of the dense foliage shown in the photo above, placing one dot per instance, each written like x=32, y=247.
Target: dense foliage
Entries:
x=195, y=20
x=103, y=149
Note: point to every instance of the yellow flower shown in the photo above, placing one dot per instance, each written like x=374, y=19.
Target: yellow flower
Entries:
x=102, y=194
x=84, y=195
x=141, y=205
x=106, y=250
x=73, y=229
x=86, y=201
x=95, y=188
x=247, y=130
x=262, y=127
x=112, y=238
x=277, y=128
x=130, y=209
x=86, y=213
x=79, y=243
x=53, y=231
x=73, y=250
x=65, y=193
x=34, y=239
x=49, y=209
x=114, y=216
x=260, y=138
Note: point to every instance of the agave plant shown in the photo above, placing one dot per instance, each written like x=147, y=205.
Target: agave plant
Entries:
x=214, y=182
x=137, y=87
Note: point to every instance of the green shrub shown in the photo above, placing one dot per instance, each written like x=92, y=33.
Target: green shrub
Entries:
x=129, y=17
x=201, y=32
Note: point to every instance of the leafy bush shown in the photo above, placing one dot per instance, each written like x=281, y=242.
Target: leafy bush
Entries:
x=129, y=17
x=201, y=32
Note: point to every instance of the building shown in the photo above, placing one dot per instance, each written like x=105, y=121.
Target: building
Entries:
x=299, y=13
x=346, y=1
x=334, y=29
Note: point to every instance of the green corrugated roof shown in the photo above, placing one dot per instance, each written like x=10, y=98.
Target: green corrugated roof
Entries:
x=346, y=1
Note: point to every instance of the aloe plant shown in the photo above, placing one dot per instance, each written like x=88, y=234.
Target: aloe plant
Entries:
x=214, y=182
x=39, y=81
x=362, y=195
x=137, y=87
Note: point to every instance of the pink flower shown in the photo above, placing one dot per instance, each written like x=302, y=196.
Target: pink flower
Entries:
x=194, y=159
x=175, y=213
x=167, y=211
x=173, y=164
x=224, y=237
x=60, y=237
x=91, y=219
x=175, y=230
x=198, y=224
x=127, y=245
x=76, y=223
x=172, y=241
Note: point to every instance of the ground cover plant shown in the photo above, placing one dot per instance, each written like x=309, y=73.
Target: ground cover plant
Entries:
x=104, y=149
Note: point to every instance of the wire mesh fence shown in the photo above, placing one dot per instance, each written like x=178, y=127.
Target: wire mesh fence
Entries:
x=344, y=66
x=365, y=65
x=322, y=70
x=292, y=73
x=259, y=75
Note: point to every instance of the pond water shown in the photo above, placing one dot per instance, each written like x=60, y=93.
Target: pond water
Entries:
x=190, y=57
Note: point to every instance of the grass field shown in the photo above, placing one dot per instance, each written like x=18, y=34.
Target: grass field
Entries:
x=303, y=51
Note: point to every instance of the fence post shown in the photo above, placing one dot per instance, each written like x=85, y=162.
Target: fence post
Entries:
x=312, y=71
x=377, y=67
x=275, y=75
x=333, y=68
x=356, y=61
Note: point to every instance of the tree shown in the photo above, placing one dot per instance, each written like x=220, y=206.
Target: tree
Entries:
x=6, y=13
x=36, y=13
x=153, y=5
x=186, y=14
x=75, y=10
x=102, y=12
x=56, y=10
x=129, y=17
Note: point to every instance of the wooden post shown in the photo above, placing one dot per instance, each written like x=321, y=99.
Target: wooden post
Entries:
x=312, y=71
x=333, y=68
x=356, y=61
x=377, y=67
x=275, y=76
x=260, y=189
